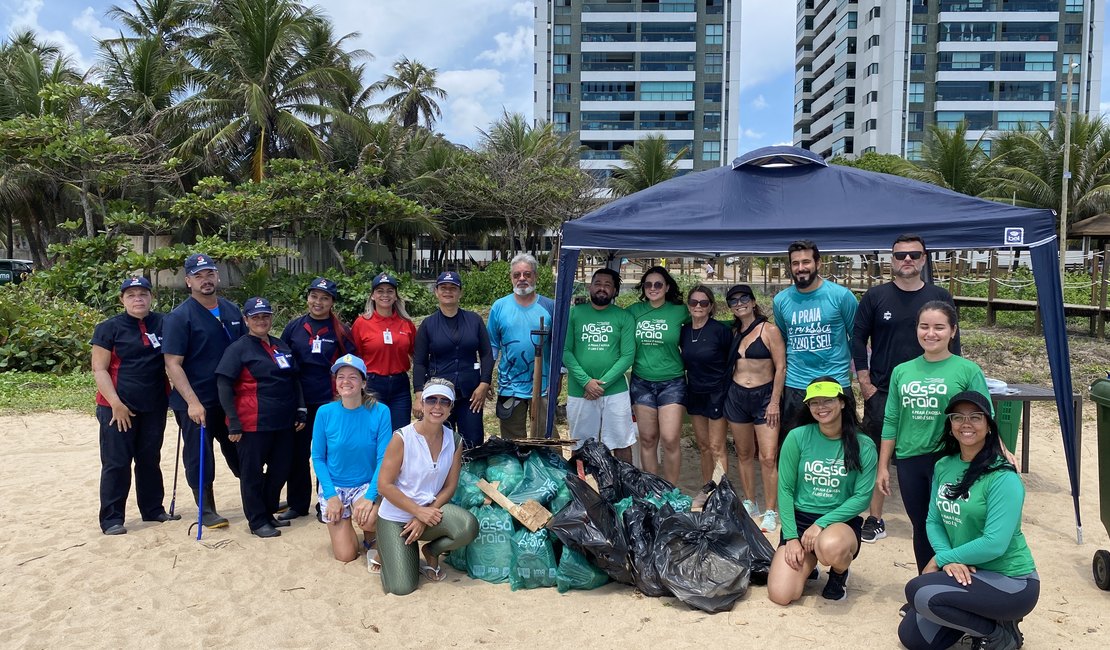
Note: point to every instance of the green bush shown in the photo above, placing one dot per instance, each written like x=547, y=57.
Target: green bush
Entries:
x=483, y=287
x=43, y=333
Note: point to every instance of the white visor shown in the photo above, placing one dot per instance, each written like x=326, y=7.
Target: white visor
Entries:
x=438, y=389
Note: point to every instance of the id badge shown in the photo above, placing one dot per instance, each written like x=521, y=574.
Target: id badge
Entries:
x=317, y=348
x=153, y=338
x=387, y=336
x=477, y=365
x=282, y=362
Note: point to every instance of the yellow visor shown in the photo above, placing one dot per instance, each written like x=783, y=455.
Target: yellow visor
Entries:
x=823, y=389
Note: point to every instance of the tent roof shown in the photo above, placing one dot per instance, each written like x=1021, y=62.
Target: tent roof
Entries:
x=1096, y=226
x=775, y=195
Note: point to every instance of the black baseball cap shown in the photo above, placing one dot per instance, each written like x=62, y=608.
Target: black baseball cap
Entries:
x=134, y=282
x=325, y=285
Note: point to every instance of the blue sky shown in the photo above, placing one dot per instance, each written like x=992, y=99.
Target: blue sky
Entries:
x=482, y=49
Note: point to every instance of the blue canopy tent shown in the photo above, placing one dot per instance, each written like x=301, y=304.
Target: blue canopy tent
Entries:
x=772, y=196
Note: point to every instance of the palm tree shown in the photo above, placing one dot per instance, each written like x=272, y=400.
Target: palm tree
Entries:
x=647, y=162
x=949, y=161
x=415, y=92
x=1032, y=164
x=169, y=22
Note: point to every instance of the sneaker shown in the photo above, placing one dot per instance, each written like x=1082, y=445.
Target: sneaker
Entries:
x=905, y=609
x=751, y=508
x=1012, y=628
x=814, y=574
x=999, y=639
x=835, y=587
x=873, y=530
x=770, y=521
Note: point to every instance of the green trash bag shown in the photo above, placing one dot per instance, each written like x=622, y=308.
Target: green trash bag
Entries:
x=620, y=507
x=576, y=572
x=539, y=483
x=506, y=470
x=457, y=559
x=467, y=495
x=477, y=467
x=489, y=557
x=562, y=498
x=533, y=563
x=673, y=498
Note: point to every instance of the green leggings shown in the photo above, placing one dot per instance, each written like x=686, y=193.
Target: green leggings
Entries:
x=401, y=561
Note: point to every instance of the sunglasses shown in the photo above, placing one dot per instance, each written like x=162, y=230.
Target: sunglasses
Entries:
x=434, y=400
x=698, y=303
x=974, y=418
x=817, y=402
x=739, y=300
x=522, y=274
x=913, y=255
x=654, y=285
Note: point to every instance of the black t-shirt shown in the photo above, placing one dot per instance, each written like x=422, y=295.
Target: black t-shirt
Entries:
x=451, y=348
x=705, y=355
x=265, y=384
x=192, y=332
x=887, y=318
x=315, y=367
x=137, y=369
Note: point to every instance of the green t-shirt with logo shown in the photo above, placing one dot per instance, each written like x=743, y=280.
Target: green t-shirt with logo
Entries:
x=813, y=479
x=919, y=393
x=599, y=345
x=658, y=332
x=983, y=530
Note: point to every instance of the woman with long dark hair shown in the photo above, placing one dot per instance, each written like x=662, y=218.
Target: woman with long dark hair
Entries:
x=982, y=580
x=658, y=376
x=826, y=474
x=757, y=362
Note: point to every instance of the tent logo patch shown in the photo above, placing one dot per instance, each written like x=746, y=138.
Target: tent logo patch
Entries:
x=1015, y=236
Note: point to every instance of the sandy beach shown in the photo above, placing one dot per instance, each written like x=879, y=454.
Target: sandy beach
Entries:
x=65, y=583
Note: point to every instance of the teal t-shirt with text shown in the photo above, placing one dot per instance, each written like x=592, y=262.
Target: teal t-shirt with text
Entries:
x=818, y=329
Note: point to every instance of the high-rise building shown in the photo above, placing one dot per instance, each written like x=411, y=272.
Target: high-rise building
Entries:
x=872, y=75
x=614, y=71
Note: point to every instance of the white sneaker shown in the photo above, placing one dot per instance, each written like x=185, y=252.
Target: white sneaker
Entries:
x=770, y=521
x=751, y=508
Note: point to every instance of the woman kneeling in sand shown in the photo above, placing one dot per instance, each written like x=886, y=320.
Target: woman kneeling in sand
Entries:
x=826, y=472
x=417, y=479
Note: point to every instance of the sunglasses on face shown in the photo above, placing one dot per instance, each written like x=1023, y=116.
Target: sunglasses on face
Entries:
x=739, y=300
x=434, y=400
x=522, y=274
x=654, y=285
x=913, y=255
x=698, y=303
x=974, y=418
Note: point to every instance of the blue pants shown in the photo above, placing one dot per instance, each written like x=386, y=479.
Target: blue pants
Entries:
x=942, y=610
x=190, y=451
x=395, y=392
x=141, y=445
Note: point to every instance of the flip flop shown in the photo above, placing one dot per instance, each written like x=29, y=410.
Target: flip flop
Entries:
x=373, y=565
x=433, y=575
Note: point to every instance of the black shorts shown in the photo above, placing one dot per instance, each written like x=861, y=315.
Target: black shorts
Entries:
x=874, y=410
x=803, y=520
x=709, y=404
x=748, y=405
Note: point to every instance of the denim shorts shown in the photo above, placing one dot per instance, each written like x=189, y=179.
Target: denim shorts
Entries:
x=655, y=394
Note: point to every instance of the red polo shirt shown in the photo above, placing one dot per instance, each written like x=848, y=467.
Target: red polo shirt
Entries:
x=380, y=356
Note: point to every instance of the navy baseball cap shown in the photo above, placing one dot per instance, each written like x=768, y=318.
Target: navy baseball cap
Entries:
x=199, y=262
x=740, y=290
x=383, y=278
x=449, y=277
x=257, y=306
x=134, y=282
x=325, y=285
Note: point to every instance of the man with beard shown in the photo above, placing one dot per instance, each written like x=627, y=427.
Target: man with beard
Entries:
x=196, y=334
x=599, y=348
x=887, y=320
x=816, y=316
x=512, y=319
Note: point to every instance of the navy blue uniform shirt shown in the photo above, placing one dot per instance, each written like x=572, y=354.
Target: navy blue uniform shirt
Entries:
x=263, y=376
x=450, y=348
x=192, y=332
x=315, y=367
x=137, y=369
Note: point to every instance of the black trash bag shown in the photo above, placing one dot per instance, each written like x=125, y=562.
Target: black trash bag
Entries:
x=702, y=557
x=589, y=525
x=494, y=446
x=760, y=551
x=640, y=521
x=635, y=482
x=597, y=460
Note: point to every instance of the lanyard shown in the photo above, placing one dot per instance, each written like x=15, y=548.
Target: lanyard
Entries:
x=142, y=330
x=322, y=331
x=271, y=350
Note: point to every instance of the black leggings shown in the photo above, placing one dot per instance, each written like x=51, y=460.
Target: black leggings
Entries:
x=915, y=482
x=942, y=610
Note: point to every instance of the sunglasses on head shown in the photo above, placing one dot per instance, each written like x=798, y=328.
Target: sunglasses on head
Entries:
x=698, y=303
x=654, y=285
x=434, y=400
x=913, y=255
x=739, y=300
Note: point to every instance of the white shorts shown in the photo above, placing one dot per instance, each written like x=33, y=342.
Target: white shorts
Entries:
x=612, y=414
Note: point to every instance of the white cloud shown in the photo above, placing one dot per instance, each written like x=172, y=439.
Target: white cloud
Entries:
x=87, y=23
x=753, y=135
x=471, y=105
x=25, y=16
x=759, y=103
x=511, y=47
x=766, y=41
x=783, y=144
x=523, y=10
x=1104, y=107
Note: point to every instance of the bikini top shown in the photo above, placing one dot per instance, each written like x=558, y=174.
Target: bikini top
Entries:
x=757, y=349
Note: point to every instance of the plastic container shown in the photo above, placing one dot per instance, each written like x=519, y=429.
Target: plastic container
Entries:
x=1100, y=395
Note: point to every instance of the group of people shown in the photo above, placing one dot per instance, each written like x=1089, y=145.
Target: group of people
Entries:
x=342, y=399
